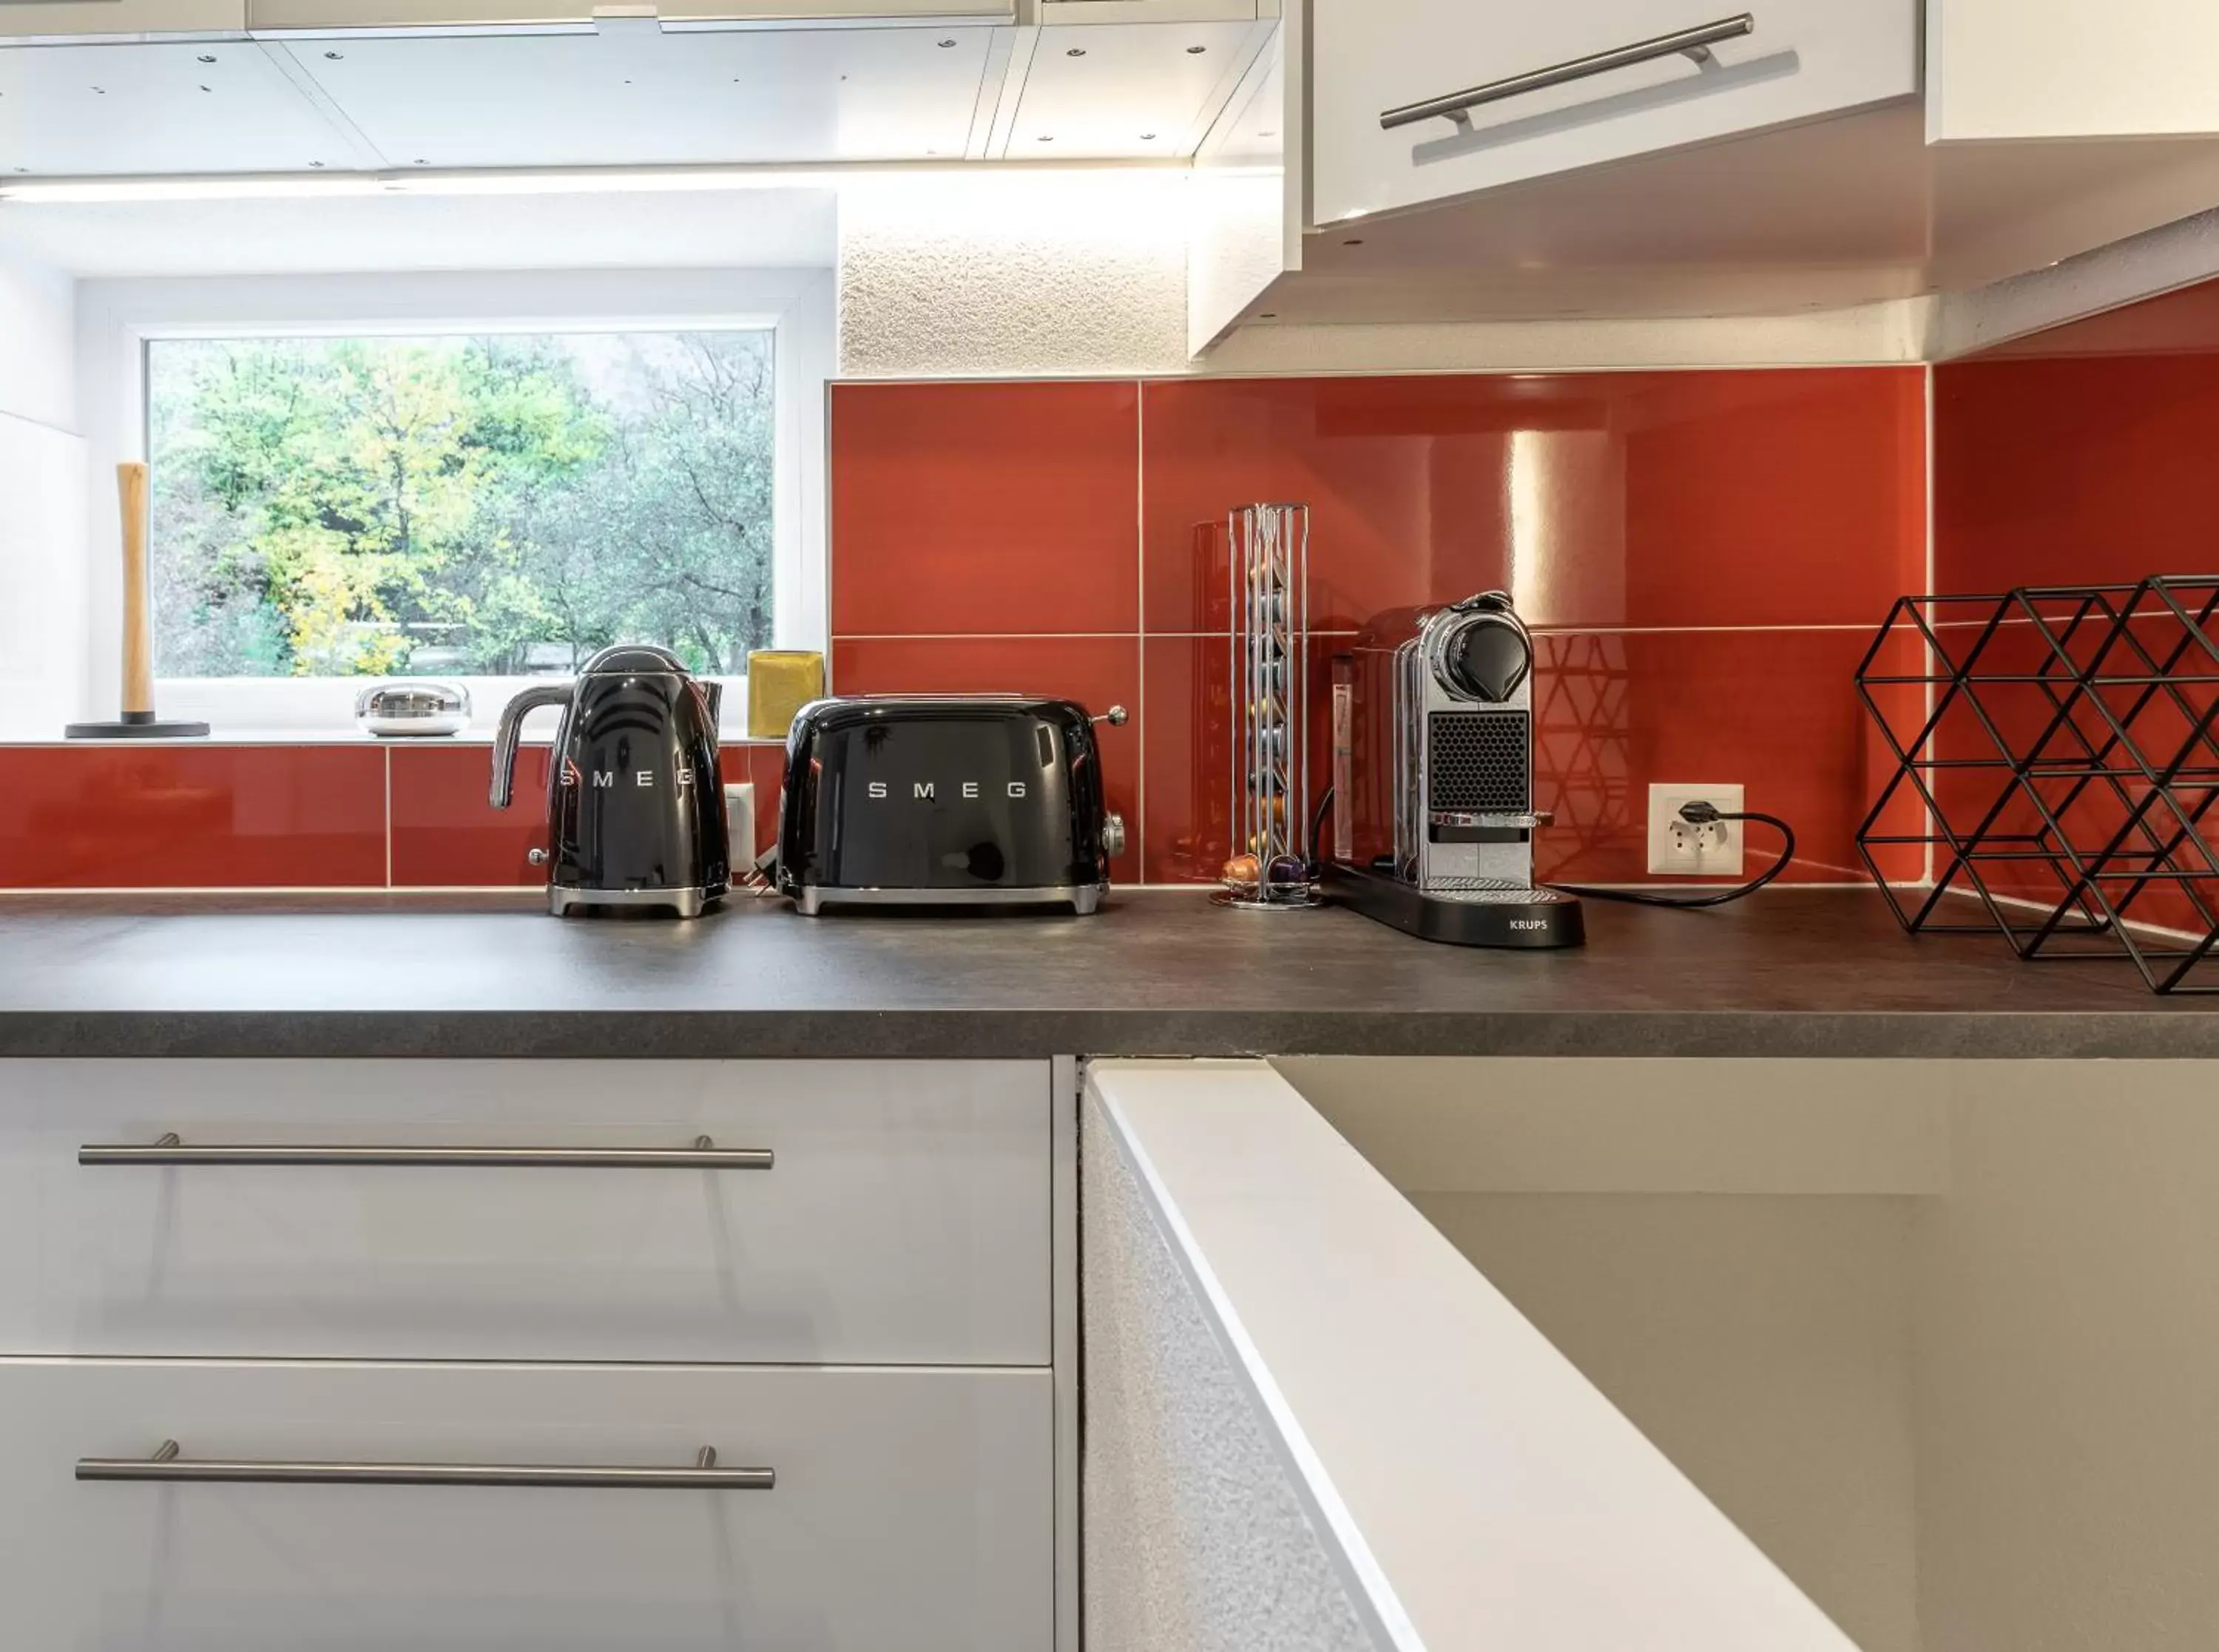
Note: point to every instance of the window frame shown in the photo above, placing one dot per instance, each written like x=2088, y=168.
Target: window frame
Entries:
x=119, y=320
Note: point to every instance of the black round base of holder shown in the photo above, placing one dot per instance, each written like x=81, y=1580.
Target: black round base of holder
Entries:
x=1539, y=924
x=142, y=725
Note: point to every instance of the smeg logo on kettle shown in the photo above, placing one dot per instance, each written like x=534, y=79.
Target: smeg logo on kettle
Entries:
x=925, y=790
x=608, y=779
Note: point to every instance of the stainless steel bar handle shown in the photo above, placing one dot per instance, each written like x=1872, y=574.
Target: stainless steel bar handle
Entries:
x=703, y=1155
x=167, y=1467
x=1693, y=42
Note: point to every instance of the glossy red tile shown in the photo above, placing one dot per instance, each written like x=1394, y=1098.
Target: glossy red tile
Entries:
x=1775, y=711
x=2078, y=456
x=958, y=509
x=1189, y=758
x=1098, y=672
x=1756, y=498
x=2073, y=470
x=191, y=816
x=1189, y=750
x=2185, y=320
x=447, y=835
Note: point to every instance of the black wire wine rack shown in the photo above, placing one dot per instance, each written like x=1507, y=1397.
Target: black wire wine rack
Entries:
x=2055, y=759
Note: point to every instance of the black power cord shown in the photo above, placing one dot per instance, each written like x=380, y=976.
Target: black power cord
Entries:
x=1702, y=814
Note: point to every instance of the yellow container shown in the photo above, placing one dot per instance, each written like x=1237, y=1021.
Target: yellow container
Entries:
x=779, y=684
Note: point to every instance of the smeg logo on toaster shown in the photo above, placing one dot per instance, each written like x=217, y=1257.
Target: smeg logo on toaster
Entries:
x=925, y=791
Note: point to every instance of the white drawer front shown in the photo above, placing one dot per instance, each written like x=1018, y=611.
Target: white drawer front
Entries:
x=1802, y=58
x=905, y=1219
x=911, y=1509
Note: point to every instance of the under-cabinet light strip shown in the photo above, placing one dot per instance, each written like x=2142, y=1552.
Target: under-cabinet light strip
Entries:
x=253, y=186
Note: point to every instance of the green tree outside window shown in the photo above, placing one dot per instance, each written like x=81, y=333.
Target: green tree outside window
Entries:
x=497, y=505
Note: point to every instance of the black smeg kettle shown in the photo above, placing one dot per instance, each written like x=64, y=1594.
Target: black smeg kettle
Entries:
x=634, y=802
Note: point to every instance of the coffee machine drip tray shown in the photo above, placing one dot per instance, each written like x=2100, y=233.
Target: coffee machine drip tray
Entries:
x=1479, y=914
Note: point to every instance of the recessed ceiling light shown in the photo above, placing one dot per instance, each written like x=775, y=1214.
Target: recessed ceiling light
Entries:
x=1267, y=134
x=944, y=44
x=1196, y=51
x=315, y=163
x=1267, y=315
x=423, y=163
x=335, y=56
x=1148, y=137
x=1353, y=241
x=102, y=90
x=1046, y=137
x=206, y=58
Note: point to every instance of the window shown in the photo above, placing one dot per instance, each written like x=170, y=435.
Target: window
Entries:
x=496, y=504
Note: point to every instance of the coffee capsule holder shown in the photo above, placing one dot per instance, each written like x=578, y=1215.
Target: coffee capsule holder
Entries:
x=1269, y=702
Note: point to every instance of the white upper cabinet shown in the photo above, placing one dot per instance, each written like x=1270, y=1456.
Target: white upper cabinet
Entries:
x=266, y=16
x=466, y=100
x=2003, y=69
x=43, y=19
x=165, y=106
x=1127, y=91
x=1417, y=100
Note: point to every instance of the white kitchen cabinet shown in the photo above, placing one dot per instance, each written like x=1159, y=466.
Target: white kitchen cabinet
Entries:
x=910, y=1509
x=1130, y=90
x=1573, y=85
x=44, y=19
x=904, y=1217
x=281, y=15
x=580, y=99
x=2005, y=69
x=161, y=106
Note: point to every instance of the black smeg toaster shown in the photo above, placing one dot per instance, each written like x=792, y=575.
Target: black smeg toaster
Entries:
x=947, y=800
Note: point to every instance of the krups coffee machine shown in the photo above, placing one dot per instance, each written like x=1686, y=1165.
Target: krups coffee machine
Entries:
x=1440, y=781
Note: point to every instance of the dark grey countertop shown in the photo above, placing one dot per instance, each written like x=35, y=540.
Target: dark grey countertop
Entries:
x=1814, y=972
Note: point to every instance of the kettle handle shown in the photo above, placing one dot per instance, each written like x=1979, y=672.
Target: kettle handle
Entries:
x=512, y=731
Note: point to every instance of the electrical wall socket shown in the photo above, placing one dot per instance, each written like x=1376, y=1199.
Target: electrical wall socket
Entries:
x=1678, y=848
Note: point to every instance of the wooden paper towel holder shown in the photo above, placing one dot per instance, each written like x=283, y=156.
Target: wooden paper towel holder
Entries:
x=138, y=721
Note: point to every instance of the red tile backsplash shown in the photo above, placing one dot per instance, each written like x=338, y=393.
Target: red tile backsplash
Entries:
x=446, y=834
x=1705, y=550
x=958, y=509
x=2079, y=456
x=1188, y=759
x=1758, y=498
x=1772, y=709
x=2074, y=471
x=116, y=817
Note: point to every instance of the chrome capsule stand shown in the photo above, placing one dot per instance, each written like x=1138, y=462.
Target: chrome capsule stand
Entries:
x=1271, y=782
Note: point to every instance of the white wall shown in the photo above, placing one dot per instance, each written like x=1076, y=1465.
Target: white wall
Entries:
x=38, y=371
x=1079, y=273
x=42, y=498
